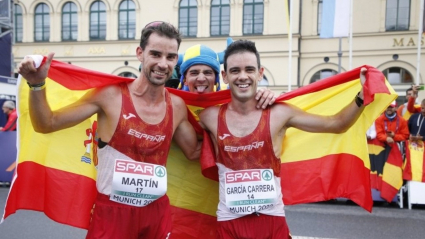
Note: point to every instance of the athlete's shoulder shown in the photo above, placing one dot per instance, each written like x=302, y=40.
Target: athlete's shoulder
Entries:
x=209, y=113
x=281, y=106
x=177, y=101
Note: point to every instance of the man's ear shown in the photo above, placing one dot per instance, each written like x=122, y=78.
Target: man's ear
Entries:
x=139, y=54
x=224, y=77
x=261, y=73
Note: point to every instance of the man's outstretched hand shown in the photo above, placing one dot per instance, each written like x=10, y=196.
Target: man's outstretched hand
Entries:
x=33, y=75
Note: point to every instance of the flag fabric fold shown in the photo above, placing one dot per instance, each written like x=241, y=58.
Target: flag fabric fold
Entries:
x=386, y=165
x=414, y=168
x=56, y=172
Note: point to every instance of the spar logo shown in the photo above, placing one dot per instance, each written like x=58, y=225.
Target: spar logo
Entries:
x=249, y=176
x=160, y=171
x=124, y=166
x=243, y=176
x=267, y=175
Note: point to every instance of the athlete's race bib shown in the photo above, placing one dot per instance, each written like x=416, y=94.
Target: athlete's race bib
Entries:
x=138, y=184
x=249, y=191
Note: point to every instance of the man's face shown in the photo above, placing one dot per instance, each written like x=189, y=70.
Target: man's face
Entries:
x=390, y=110
x=200, y=79
x=158, y=59
x=5, y=110
x=409, y=94
x=242, y=75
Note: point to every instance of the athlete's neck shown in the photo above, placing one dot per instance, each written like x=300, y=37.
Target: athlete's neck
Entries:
x=144, y=89
x=243, y=107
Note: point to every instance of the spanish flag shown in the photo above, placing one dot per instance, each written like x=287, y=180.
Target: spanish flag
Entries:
x=414, y=169
x=318, y=167
x=56, y=172
x=386, y=168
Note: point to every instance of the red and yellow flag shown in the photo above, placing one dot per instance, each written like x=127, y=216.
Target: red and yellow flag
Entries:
x=386, y=168
x=318, y=167
x=56, y=172
x=414, y=169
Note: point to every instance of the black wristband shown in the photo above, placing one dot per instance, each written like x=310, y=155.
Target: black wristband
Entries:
x=36, y=85
x=359, y=101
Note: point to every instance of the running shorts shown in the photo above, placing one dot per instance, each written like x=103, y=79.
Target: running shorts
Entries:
x=112, y=220
x=254, y=226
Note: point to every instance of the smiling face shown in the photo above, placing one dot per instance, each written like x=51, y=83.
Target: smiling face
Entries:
x=158, y=58
x=242, y=75
x=200, y=79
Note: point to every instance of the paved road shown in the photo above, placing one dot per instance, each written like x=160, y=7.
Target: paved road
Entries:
x=337, y=220
x=25, y=224
x=346, y=221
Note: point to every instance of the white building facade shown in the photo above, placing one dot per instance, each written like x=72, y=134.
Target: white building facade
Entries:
x=103, y=35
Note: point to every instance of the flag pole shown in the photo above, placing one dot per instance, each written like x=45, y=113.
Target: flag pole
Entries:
x=420, y=29
x=290, y=47
x=339, y=55
x=350, y=54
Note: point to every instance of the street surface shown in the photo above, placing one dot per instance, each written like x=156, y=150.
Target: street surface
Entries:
x=330, y=220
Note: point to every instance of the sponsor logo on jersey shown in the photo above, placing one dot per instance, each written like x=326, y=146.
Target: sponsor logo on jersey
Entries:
x=253, y=145
x=224, y=136
x=154, y=138
x=128, y=116
x=243, y=176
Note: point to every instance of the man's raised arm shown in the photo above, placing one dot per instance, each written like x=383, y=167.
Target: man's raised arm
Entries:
x=43, y=119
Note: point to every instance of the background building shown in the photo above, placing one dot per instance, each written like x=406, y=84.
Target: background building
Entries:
x=102, y=35
x=7, y=82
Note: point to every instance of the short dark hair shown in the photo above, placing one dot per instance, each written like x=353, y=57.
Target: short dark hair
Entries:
x=241, y=46
x=162, y=29
x=407, y=91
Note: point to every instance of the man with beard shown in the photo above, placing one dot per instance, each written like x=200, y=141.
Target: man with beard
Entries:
x=136, y=123
x=391, y=127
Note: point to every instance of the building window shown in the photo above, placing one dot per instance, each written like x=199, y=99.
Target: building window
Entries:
x=98, y=21
x=322, y=75
x=127, y=74
x=319, y=16
x=253, y=15
x=69, y=22
x=42, y=23
x=397, y=75
x=18, y=23
x=220, y=18
x=398, y=15
x=188, y=18
x=127, y=20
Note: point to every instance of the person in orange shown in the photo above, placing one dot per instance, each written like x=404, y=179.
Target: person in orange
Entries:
x=391, y=127
x=248, y=141
x=136, y=124
x=410, y=107
x=12, y=116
